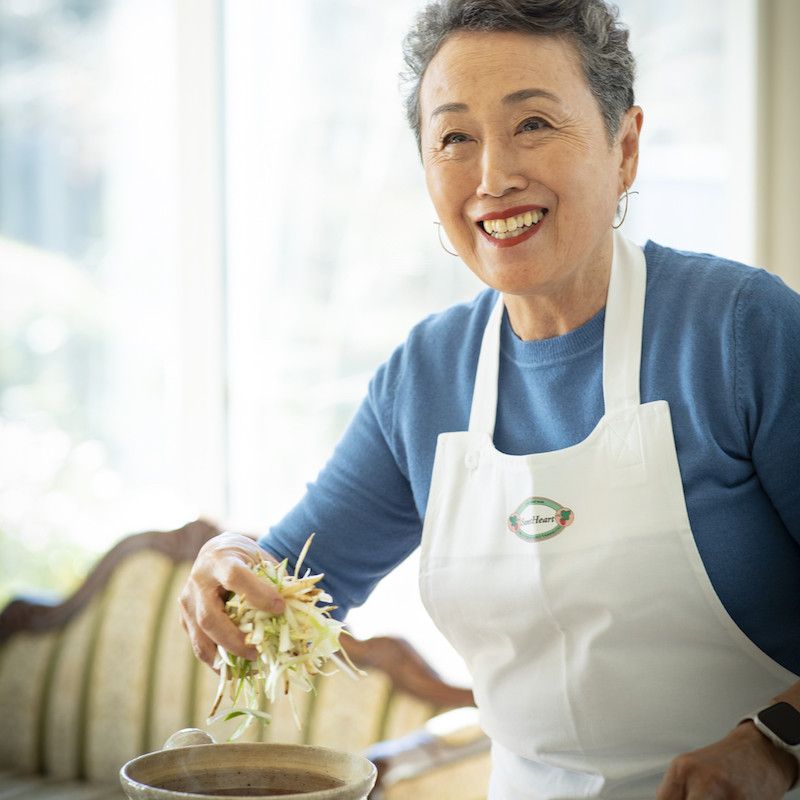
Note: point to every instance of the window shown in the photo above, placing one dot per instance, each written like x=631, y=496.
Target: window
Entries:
x=90, y=306
x=696, y=84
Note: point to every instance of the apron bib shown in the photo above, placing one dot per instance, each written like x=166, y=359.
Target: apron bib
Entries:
x=570, y=583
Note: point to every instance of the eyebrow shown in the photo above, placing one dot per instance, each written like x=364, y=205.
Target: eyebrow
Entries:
x=525, y=94
x=448, y=107
x=508, y=100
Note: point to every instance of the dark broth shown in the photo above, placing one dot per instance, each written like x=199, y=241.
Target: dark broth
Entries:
x=278, y=784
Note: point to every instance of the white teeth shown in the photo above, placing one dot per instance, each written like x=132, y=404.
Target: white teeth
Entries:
x=513, y=226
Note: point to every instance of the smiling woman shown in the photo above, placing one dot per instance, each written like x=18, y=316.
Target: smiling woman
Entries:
x=351, y=226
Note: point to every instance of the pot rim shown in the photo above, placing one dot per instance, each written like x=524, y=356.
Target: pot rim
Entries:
x=365, y=784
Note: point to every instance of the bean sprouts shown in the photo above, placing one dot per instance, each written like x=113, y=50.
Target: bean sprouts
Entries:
x=292, y=646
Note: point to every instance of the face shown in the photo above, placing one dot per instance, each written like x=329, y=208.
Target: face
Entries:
x=518, y=162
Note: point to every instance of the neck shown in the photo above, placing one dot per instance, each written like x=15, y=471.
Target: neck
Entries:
x=535, y=317
x=547, y=315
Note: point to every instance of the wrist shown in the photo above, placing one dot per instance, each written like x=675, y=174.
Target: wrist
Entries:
x=783, y=755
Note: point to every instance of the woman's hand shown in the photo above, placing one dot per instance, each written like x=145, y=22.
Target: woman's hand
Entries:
x=744, y=765
x=223, y=565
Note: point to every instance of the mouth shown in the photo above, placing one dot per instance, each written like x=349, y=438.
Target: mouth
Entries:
x=514, y=225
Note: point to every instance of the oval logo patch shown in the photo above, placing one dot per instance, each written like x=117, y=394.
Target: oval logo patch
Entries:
x=538, y=519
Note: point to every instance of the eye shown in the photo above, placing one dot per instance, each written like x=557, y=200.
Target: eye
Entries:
x=533, y=124
x=454, y=138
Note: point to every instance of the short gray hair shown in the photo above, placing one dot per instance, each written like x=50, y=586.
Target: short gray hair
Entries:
x=591, y=25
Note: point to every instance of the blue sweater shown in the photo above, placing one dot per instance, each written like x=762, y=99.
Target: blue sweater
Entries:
x=721, y=343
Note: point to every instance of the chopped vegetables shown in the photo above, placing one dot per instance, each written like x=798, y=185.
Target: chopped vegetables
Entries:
x=292, y=646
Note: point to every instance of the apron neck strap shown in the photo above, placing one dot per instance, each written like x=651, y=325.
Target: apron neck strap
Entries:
x=622, y=341
x=484, y=396
x=622, y=333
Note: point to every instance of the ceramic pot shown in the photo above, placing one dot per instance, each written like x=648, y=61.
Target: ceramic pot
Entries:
x=301, y=772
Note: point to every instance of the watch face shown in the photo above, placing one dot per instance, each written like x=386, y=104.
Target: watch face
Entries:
x=783, y=720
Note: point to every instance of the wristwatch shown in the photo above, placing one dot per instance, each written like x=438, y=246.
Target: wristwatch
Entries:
x=780, y=723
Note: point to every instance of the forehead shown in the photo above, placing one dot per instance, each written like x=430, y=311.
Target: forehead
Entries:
x=475, y=68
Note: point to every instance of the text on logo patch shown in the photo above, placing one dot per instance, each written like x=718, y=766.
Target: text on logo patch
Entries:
x=538, y=519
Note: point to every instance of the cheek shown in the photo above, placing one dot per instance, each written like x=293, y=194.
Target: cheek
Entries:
x=589, y=187
x=433, y=183
x=448, y=189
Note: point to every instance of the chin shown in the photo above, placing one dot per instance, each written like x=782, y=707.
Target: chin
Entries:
x=523, y=280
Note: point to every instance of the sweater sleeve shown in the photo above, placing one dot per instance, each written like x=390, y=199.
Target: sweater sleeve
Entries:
x=767, y=381
x=360, y=508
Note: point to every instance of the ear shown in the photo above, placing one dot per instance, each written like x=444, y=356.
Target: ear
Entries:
x=630, y=127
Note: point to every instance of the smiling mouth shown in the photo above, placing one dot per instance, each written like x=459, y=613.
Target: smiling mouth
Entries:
x=514, y=226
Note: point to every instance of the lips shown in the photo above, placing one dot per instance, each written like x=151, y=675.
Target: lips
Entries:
x=511, y=227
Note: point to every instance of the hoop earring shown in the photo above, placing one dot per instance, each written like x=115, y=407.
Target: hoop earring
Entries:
x=439, y=224
x=625, y=212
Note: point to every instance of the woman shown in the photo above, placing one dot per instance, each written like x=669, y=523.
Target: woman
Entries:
x=598, y=455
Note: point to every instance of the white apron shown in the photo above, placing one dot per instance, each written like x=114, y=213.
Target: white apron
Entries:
x=571, y=584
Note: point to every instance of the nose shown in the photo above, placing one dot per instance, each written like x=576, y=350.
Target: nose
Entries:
x=500, y=170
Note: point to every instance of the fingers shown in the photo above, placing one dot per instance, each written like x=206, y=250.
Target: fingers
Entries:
x=742, y=766
x=233, y=572
x=205, y=648
x=223, y=565
x=688, y=779
x=208, y=626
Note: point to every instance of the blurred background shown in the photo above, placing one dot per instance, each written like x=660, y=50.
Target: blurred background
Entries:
x=214, y=226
